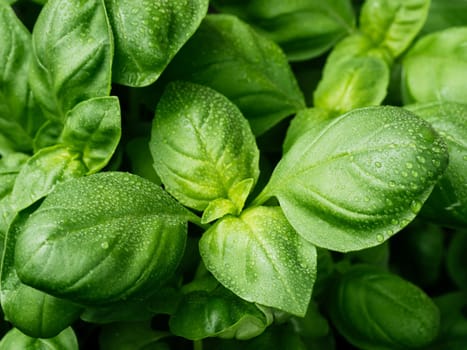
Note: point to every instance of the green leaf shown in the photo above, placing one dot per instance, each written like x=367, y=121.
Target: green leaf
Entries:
x=72, y=49
x=129, y=336
x=16, y=102
x=304, y=29
x=93, y=128
x=9, y=168
x=261, y=258
x=251, y=70
x=14, y=339
x=358, y=179
x=447, y=204
x=34, y=312
x=48, y=135
x=163, y=27
x=355, y=75
x=218, y=313
x=42, y=172
x=393, y=24
x=203, y=149
x=435, y=68
x=374, y=309
x=444, y=14
x=118, y=234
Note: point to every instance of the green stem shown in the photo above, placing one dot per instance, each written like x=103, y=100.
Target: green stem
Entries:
x=195, y=219
x=197, y=345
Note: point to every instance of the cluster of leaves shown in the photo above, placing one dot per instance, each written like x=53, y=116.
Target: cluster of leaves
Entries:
x=216, y=174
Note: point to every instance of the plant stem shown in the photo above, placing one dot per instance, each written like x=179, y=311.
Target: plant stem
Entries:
x=197, y=345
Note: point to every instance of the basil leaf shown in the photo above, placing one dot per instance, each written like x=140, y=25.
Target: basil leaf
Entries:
x=355, y=75
x=118, y=234
x=444, y=14
x=304, y=29
x=16, y=103
x=375, y=309
x=393, y=24
x=261, y=258
x=447, y=204
x=9, y=168
x=453, y=325
x=358, y=179
x=218, y=313
x=229, y=56
x=163, y=27
x=35, y=313
x=14, y=339
x=93, y=128
x=72, y=55
x=42, y=172
x=435, y=68
x=204, y=150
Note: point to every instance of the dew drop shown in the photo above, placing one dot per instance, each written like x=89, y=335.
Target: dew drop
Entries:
x=392, y=184
x=415, y=206
x=409, y=165
x=421, y=159
x=464, y=157
x=378, y=165
x=105, y=245
x=380, y=238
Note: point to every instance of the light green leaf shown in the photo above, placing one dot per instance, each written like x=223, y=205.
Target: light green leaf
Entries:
x=16, y=105
x=393, y=24
x=203, y=149
x=355, y=75
x=435, y=68
x=375, y=309
x=304, y=29
x=261, y=258
x=14, y=339
x=42, y=172
x=251, y=70
x=448, y=202
x=93, y=129
x=9, y=168
x=218, y=313
x=118, y=234
x=72, y=55
x=358, y=179
x=163, y=27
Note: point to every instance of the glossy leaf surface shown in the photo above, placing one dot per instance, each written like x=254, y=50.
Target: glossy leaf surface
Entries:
x=163, y=27
x=435, y=68
x=447, y=204
x=217, y=313
x=374, y=309
x=229, y=56
x=393, y=24
x=14, y=339
x=93, y=129
x=118, y=233
x=358, y=179
x=72, y=55
x=204, y=150
x=304, y=29
x=261, y=258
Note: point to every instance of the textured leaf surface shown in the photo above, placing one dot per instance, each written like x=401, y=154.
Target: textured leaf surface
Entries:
x=358, y=179
x=93, y=129
x=229, y=56
x=148, y=34
x=14, y=339
x=72, y=55
x=261, y=258
x=393, y=24
x=117, y=233
x=203, y=149
x=448, y=202
x=303, y=28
